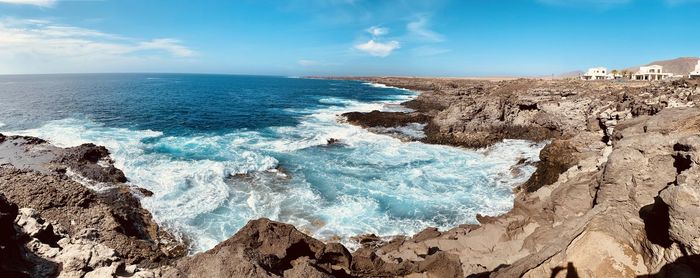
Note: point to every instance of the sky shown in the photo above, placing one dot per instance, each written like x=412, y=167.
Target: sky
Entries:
x=343, y=37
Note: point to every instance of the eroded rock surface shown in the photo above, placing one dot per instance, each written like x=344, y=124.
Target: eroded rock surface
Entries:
x=80, y=197
x=615, y=193
x=265, y=248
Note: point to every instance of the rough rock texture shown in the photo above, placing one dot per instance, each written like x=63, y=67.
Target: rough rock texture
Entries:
x=79, y=256
x=477, y=113
x=16, y=260
x=384, y=119
x=264, y=248
x=81, y=194
x=616, y=191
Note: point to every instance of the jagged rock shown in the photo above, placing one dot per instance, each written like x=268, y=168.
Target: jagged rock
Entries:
x=16, y=260
x=84, y=159
x=384, y=119
x=591, y=210
x=304, y=267
x=78, y=257
x=683, y=197
x=426, y=234
x=555, y=159
x=111, y=216
x=263, y=248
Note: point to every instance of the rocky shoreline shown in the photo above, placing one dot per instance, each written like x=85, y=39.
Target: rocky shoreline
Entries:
x=616, y=194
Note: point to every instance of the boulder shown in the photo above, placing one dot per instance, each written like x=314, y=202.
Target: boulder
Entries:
x=263, y=248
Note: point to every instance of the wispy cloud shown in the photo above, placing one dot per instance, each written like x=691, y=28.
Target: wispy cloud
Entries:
x=374, y=46
x=377, y=31
x=377, y=48
x=420, y=29
x=40, y=3
x=172, y=46
x=27, y=41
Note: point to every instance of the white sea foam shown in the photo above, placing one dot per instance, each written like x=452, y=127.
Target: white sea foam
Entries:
x=411, y=131
x=383, y=86
x=370, y=183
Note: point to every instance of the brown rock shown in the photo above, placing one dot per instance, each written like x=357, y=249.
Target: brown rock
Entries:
x=384, y=119
x=555, y=158
x=113, y=214
x=265, y=248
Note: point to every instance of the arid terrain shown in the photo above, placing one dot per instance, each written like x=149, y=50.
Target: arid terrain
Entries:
x=616, y=194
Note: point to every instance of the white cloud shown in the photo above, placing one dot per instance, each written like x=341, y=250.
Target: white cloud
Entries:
x=377, y=48
x=42, y=46
x=40, y=3
x=377, y=31
x=173, y=46
x=419, y=28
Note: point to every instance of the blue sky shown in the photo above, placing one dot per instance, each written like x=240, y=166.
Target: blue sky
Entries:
x=343, y=37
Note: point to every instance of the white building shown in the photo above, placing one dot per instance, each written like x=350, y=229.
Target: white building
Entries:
x=653, y=72
x=696, y=72
x=599, y=73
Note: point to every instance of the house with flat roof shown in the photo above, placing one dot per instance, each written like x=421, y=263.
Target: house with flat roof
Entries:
x=696, y=72
x=650, y=73
x=599, y=73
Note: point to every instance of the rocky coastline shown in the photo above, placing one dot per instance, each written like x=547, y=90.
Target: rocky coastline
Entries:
x=616, y=194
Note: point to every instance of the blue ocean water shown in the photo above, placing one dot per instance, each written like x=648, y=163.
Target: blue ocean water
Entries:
x=219, y=150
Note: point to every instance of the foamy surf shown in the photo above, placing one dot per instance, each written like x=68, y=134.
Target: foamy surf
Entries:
x=207, y=186
x=383, y=86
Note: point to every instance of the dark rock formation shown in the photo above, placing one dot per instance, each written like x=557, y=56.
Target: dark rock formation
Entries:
x=384, y=119
x=264, y=248
x=477, y=113
x=15, y=259
x=84, y=160
x=31, y=178
x=555, y=159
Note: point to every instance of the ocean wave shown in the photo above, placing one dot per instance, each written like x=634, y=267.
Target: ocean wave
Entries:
x=383, y=86
x=335, y=100
x=411, y=131
x=208, y=186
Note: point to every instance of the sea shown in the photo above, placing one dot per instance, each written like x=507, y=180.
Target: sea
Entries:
x=220, y=150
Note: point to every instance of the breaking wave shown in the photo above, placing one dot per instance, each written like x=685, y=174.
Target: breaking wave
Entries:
x=207, y=186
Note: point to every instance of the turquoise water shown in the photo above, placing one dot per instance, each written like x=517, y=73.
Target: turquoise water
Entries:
x=219, y=150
